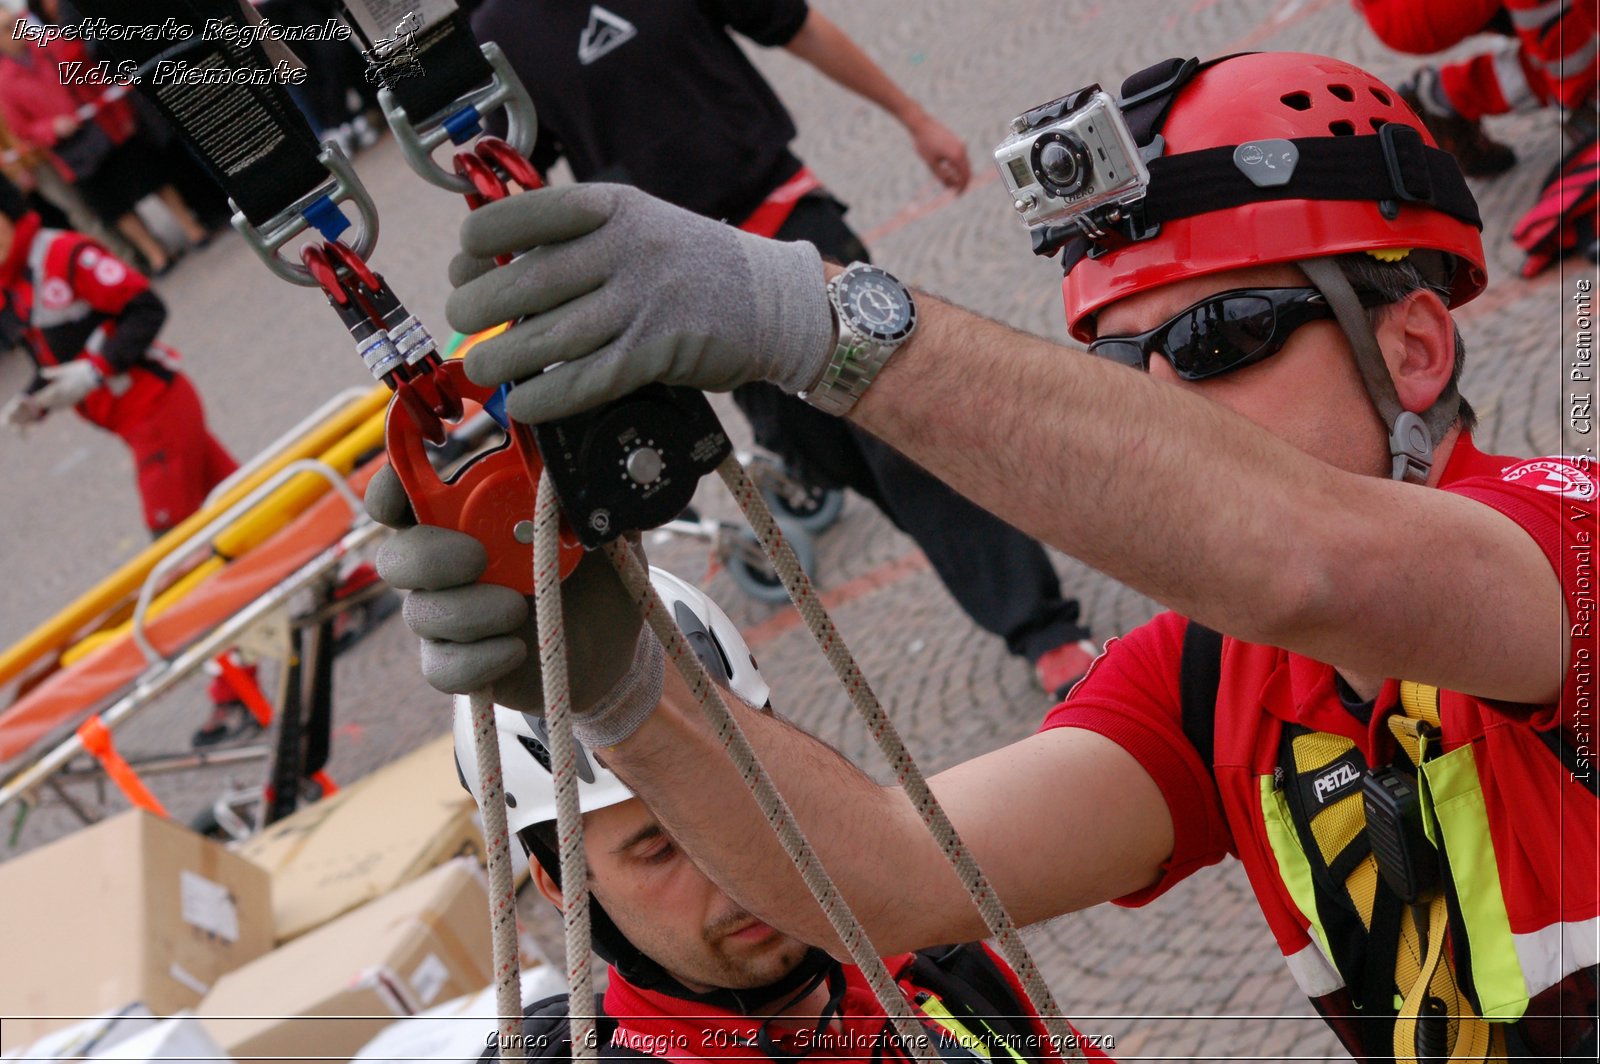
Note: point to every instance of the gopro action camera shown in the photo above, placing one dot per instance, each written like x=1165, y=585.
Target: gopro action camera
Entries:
x=1071, y=164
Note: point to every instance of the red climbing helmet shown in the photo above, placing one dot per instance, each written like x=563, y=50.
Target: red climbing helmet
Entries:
x=1366, y=176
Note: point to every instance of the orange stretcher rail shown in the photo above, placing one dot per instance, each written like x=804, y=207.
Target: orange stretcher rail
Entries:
x=241, y=536
x=71, y=692
x=65, y=627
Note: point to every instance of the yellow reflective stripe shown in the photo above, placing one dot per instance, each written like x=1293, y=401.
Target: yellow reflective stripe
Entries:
x=934, y=1009
x=1452, y=790
x=1293, y=867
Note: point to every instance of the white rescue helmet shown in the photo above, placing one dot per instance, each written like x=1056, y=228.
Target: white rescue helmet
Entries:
x=524, y=741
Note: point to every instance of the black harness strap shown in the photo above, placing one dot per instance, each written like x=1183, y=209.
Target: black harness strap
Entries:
x=1199, y=674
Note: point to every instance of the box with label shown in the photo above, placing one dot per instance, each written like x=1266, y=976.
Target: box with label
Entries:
x=329, y=991
x=456, y=1032
x=134, y=908
x=363, y=842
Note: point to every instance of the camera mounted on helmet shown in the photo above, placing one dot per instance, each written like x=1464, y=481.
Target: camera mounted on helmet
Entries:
x=1345, y=141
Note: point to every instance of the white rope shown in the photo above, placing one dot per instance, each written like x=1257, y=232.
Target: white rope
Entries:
x=804, y=595
x=911, y=1035
x=502, y=887
x=563, y=766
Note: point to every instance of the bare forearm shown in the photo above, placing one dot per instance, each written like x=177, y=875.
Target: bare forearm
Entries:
x=867, y=836
x=1208, y=513
x=1035, y=816
x=825, y=46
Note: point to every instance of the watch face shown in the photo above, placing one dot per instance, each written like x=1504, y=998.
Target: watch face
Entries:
x=876, y=304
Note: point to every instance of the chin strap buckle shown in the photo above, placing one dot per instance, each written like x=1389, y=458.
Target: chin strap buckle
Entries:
x=1411, y=447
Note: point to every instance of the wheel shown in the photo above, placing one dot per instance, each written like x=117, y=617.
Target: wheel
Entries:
x=790, y=498
x=754, y=574
x=805, y=506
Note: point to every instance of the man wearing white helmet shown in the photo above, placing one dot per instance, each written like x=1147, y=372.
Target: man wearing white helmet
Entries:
x=692, y=973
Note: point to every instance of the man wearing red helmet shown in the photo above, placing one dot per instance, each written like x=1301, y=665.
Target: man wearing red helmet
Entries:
x=1393, y=733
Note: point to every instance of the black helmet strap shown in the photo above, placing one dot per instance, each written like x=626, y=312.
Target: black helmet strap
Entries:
x=642, y=971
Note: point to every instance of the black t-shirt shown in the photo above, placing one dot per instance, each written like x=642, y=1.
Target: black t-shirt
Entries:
x=654, y=93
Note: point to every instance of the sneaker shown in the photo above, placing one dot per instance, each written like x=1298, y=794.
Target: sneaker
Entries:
x=1059, y=670
x=1476, y=152
x=229, y=720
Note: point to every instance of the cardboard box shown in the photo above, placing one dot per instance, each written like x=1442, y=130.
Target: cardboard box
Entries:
x=86, y=1038
x=329, y=991
x=134, y=908
x=179, y=1038
x=362, y=842
x=456, y=1032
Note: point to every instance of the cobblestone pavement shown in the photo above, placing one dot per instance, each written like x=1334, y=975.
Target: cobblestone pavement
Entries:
x=1193, y=976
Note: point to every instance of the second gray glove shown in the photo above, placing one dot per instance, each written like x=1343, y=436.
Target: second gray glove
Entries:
x=478, y=635
x=622, y=289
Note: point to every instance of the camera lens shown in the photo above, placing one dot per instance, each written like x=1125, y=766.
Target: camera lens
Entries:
x=1062, y=164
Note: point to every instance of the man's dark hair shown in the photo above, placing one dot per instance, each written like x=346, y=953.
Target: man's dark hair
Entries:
x=1393, y=281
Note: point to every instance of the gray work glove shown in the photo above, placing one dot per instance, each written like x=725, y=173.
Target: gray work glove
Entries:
x=486, y=635
x=624, y=289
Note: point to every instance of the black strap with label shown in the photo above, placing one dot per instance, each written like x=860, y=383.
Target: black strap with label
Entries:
x=218, y=87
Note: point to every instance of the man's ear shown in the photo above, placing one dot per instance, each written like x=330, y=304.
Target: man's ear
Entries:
x=546, y=883
x=1418, y=339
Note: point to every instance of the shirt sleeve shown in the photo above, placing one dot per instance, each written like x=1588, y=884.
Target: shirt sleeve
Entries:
x=769, y=23
x=1131, y=696
x=1553, y=501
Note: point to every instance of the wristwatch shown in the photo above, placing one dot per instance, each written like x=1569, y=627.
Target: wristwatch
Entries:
x=873, y=314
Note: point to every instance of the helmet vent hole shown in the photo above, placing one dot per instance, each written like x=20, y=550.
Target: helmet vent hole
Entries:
x=1342, y=128
x=1299, y=101
x=1381, y=96
x=1378, y=123
x=1343, y=92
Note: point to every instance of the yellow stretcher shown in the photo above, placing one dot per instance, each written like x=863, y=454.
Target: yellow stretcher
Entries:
x=283, y=524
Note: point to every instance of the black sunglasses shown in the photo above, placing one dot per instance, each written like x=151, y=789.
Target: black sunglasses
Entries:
x=1224, y=332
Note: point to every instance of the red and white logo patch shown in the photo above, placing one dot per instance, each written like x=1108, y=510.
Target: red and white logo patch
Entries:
x=109, y=272
x=56, y=293
x=1554, y=476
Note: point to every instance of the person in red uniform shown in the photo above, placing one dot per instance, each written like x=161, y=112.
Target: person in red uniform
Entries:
x=89, y=322
x=692, y=975
x=1394, y=734
x=1550, y=59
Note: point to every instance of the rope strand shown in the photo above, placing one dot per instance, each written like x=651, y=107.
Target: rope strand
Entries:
x=563, y=766
x=910, y=777
x=502, y=889
x=780, y=818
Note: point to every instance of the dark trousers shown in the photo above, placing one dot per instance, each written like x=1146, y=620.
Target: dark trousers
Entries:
x=1000, y=577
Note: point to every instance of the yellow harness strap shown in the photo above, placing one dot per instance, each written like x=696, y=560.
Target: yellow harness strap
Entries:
x=1421, y=971
x=1422, y=974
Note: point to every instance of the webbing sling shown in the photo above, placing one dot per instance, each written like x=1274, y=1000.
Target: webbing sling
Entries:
x=1404, y=947
x=249, y=136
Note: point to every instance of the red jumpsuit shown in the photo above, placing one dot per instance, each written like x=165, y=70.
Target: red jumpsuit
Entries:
x=76, y=300
x=1554, y=61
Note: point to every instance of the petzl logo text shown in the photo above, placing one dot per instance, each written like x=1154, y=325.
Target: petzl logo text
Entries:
x=1332, y=783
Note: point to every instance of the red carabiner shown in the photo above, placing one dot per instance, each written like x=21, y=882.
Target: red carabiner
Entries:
x=491, y=498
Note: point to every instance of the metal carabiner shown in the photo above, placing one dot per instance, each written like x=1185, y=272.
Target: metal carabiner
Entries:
x=316, y=209
x=461, y=121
